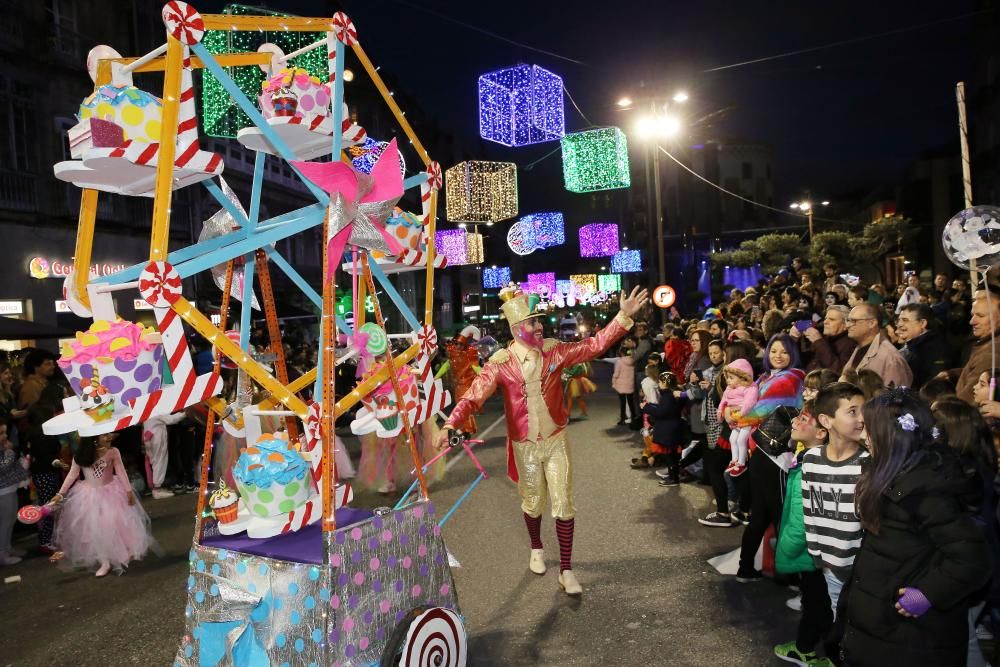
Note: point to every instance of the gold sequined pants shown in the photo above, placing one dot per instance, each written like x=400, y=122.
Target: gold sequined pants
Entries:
x=545, y=465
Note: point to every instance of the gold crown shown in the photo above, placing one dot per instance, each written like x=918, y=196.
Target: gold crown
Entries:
x=518, y=306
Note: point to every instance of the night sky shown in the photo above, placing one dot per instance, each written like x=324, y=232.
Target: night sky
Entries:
x=852, y=116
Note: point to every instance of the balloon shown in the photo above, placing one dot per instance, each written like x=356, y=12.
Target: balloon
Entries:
x=971, y=238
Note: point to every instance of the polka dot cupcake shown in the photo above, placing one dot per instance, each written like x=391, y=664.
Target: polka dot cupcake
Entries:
x=272, y=476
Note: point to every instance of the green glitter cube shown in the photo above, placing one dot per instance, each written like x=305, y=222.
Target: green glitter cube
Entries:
x=595, y=160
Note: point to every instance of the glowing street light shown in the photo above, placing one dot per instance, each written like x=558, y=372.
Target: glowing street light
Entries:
x=625, y=102
x=806, y=207
x=658, y=126
x=680, y=97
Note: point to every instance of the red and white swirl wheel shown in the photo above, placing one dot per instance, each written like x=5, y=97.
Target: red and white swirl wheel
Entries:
x=435, y=179
x=344, y=29
x=436, y=638
x=183, y=22
x=427, y=337
x=160, y=284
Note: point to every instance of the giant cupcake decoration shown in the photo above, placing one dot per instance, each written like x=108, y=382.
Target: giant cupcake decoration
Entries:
x=115, y=361
x=272, y=476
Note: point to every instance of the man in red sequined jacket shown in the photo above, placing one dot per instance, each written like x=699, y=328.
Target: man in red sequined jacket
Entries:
x=529, y=371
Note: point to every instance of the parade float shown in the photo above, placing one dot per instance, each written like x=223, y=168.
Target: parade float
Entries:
x=283, y=569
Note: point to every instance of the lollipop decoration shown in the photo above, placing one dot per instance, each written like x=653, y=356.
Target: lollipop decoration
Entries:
x=377, y=342
x=971, y=238
x=32, y=514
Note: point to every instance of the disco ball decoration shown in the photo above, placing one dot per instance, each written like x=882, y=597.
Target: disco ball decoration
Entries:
x=971, y=238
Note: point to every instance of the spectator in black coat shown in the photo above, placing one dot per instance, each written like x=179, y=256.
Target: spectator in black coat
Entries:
x=926, y=351
x=923, y=559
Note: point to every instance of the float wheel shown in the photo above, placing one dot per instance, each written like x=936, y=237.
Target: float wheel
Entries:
x=427, y=637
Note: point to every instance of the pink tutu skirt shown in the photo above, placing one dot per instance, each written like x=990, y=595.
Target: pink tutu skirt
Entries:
x=96, y=524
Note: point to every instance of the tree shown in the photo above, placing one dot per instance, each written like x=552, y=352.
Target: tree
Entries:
x=833, y=247
x=772, y=251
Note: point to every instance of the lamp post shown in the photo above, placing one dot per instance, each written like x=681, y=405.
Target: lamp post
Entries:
x=656, y=125
x=807, y=207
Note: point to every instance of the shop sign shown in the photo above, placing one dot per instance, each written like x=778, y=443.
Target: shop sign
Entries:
x=11, y=307
x=49, y=267
x=141, y=304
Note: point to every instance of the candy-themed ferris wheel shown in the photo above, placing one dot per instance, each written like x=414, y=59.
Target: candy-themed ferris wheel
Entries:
x=270, y=558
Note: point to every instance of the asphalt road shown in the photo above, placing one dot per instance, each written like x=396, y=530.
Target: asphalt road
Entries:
x=649, y=595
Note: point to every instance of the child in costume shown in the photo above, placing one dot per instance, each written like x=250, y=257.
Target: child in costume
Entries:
x=578, y=385
x=155, y=443
x=101, y=523
x=737, y=400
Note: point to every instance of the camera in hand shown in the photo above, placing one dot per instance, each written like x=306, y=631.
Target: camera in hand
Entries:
x=456, y=438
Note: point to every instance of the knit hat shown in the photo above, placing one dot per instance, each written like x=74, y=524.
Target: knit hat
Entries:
x=740, y=367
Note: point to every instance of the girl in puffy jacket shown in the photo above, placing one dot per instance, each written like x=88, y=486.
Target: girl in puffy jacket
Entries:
x=737, y=400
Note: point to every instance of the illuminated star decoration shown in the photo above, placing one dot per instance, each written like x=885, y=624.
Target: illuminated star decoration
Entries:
x=359, y=203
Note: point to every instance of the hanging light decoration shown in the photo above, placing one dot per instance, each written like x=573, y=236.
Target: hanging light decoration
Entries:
x=585, y=283
x=496, y=277
x=599, y=239
x=609, y=282
x=595, y=160
x=365, y=155
x=521, y=105
x=479, y=191
x=459, y=247
x=626, y=261
x=536, y=281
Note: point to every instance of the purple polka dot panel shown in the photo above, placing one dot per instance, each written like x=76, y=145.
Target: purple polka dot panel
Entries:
x=286, y=612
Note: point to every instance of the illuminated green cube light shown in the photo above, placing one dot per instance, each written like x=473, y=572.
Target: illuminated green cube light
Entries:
x=595, y=160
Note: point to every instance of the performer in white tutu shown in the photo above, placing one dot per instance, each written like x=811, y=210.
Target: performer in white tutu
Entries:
x=101, y=523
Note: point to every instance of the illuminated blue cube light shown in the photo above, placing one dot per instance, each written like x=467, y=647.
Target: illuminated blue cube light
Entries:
x=495, y=277
x=545, y=229
x=521, y=105
x=626, y=261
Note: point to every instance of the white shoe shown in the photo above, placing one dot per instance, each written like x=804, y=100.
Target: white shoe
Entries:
x=569, y=583
x=160, y=494
x=10, y=560
x=537, y=561
x=103, y=570
x=794, y=603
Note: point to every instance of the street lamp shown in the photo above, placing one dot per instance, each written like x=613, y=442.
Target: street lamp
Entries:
x=656, y=125
x=806, y=207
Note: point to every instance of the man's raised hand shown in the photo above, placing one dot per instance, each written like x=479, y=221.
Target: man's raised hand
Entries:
x=631, y=304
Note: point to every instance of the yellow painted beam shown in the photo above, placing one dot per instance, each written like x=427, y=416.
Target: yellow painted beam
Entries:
x=84, y=245
x=254, y=369
x=163, y=191
x=276, y=23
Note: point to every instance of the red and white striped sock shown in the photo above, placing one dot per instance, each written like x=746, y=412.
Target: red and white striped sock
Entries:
x=534, y=524
x=564, y=531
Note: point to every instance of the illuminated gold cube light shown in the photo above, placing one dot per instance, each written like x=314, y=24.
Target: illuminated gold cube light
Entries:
x=478, y=191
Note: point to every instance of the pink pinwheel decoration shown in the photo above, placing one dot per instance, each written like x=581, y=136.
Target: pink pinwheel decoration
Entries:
x=359, y=203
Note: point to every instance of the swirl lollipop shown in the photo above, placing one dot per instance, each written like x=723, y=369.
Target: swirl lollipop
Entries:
x=31, y=514
x=378, y=342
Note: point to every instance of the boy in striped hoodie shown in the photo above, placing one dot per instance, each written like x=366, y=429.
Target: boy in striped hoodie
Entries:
x=829, y=476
